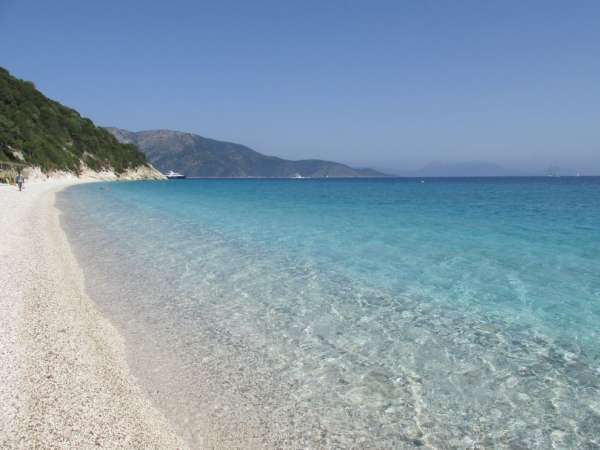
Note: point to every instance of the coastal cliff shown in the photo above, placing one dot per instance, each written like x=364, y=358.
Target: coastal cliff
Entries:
x=51, y=140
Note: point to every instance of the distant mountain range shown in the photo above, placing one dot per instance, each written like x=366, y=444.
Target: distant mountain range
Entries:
x=464, y=169
x=197, y=156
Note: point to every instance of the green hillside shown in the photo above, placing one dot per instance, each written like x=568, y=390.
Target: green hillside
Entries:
x=41, y=132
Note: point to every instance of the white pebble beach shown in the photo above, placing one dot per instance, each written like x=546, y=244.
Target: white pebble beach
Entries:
x=64, y=381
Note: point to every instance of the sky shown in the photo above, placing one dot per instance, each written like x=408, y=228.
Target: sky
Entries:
x=393, y=85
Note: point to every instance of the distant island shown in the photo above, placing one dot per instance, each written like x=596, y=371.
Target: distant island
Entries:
x=464, y=169
x=197, y=156
x=40, y=133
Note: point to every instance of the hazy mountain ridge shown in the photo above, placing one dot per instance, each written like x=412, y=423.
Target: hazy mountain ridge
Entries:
x=197, y=156
x=465, y=169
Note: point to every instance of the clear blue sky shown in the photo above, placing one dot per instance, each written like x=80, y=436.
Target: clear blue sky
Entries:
x=391, y=84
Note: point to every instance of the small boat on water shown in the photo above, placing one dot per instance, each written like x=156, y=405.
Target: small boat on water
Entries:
x=175, y=175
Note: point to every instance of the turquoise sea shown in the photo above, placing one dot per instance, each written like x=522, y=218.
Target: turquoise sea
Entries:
x=363, y=313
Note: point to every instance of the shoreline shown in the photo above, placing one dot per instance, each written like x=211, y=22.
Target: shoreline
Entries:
x=64, y=377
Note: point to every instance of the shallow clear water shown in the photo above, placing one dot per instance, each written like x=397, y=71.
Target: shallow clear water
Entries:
x=375, y=314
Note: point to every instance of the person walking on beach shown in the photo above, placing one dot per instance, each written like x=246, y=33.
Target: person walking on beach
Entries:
x=20, y=180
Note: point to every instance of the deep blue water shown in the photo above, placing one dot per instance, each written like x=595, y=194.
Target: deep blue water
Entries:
x=391, y=313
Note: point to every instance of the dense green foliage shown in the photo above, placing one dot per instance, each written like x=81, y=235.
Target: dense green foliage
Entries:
x=54, y=137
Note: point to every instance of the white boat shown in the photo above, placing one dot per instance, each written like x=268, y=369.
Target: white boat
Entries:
x=174, y=175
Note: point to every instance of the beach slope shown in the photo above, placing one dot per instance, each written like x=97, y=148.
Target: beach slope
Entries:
x=64, y=382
